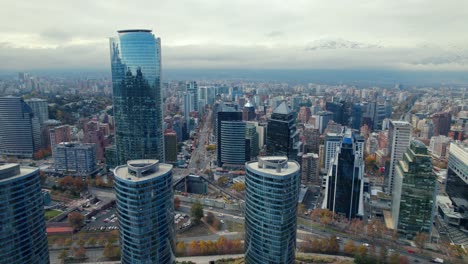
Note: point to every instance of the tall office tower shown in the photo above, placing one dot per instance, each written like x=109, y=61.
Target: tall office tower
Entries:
x=20, y=133
x=333, y=141
x=272, y=190
x=39, y=108
x=414, y=192
x=399, y=134
x=374, y=115
x=441, y=123
x=95, y=134
x=356, y=116
x=73, y=157
x=296, y=102
x=252, y=135
x=323, y=118
x=145, y=205
x=192, y=88
x=226, y=115
x=310, y=169
x=304, y=114
x=282, y=135
x=457, y=180
x=248, y=113
x=170, y=142
x=188, y=107
x=337, y=110
x=59, y=134
x=234, y=149
x=345, y=183
x=136, y=85
x=22, y=234
x=311, y=139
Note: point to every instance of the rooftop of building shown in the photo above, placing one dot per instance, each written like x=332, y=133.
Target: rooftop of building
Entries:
x=282, y=109
x=13, y=170
x=142, y=170
x=75, y=145
x=133, y=30
x=400, y=123
x=274, y=165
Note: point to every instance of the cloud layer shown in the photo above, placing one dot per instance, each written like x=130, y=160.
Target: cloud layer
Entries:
x=335, y=34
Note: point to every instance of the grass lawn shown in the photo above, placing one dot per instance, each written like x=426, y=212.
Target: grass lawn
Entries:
x=51, y=214
x=234, y=226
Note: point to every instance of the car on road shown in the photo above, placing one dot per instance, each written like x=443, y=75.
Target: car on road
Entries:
x=365, y=244
x=220, y=215
x=411, y=251
x=222, y=221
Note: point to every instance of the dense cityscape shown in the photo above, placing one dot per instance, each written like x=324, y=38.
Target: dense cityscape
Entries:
x=130, y=165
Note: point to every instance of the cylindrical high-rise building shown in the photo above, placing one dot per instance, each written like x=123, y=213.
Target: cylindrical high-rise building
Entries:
x=22, y=234
x=136, y=85
x=145, y=209
x=272, y=190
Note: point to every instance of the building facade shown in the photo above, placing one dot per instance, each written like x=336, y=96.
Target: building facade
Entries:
x=136, y=85
x=272, y=190
x=414, y=194
x=145, y=205
x=225, y=115
x=345, y=178
x=234, y=150
x=441, y=123
x=40, y=109
x=282, y=135
x=23, y=233
x=310, y=169
x=20, y=132
x=75, y=157
x=399, y=135
x=457, y=180
x=170, y=141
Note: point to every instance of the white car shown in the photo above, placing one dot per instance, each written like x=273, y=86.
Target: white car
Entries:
x=220, y=215
x=365, y=244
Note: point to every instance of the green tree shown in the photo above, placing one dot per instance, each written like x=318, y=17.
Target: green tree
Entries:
x=196, y=212
x=238, y=186
x=333, y=246
x=63, y=255
x=222, y=181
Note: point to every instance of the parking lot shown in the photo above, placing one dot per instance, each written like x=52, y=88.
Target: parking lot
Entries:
x=105, y=220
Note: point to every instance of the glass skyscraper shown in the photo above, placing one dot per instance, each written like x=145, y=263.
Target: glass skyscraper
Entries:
x=272, y=190
x=136, y=84
x=22, y=224
x=145, y=205
x=414, y=192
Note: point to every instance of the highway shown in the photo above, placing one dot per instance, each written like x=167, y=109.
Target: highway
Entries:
x=199, y=153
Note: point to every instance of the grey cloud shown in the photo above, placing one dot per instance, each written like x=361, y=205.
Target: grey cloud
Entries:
x=275, y=33
x=339, y=44
x=56, y=34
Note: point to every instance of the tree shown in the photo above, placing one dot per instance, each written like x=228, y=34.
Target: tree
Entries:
x=333, y=246
x=394, y=258
x=203, y=247
x=357, y=226
x=92, y=241
x=68, y=242
x=80, y=252
x=181, y=248
x=111, y=251
x=221, y=245
x=81, y=242
x=301, y=209
x=237, y=246
x=362, y=250
x=370, y=163
x=63, y=255
x=315, y=245
x=349, y=247
x=222, y=181
x=194, y=249
x=238, y=186
x=176, y=203
x=79, y=184
x=420, y=240
x=75, y=219
x=196, y=212
x=210, y=218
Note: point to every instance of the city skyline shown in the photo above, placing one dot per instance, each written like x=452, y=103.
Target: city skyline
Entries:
x=396, y=35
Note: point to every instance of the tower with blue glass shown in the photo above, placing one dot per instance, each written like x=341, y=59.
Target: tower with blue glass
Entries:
x=145, y=205
x=22, y=224
x=136, y=85
x=272, y=190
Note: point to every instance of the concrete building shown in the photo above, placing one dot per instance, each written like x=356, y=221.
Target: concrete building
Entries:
x=23, y=233
x=58, y=135
x=438, y=146
x=74, y=157
x=457, y=181
x=170, y=140
x=272, y=192
x=145, y=205
x=441, y=123
x=136, y=92
x=399, y=135
x=414, y=192
x=310, y=169
x=20, y=131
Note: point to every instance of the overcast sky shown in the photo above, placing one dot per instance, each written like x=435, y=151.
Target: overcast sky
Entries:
x=303, y=34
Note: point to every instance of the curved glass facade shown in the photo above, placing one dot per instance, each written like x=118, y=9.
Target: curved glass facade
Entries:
x=272, y=189
x=146, y=213
x=22, y=224
x=136, y=85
